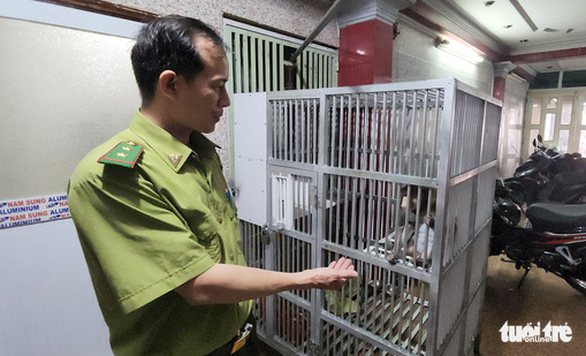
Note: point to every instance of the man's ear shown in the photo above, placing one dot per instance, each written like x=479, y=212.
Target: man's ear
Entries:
x=168, y=84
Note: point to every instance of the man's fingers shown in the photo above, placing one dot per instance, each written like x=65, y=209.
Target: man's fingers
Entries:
x=350, y=273
x=345, y=268
x=337, y=264
x=342, y=263
x=347, y=263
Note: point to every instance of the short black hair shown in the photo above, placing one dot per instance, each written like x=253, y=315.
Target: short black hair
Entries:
x=166, y=43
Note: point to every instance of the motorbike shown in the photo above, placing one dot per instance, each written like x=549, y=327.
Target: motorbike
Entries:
x=549, y=175
x=538, y=218
x=556, y=240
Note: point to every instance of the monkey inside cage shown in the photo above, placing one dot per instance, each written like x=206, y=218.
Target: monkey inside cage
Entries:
x=396, y=177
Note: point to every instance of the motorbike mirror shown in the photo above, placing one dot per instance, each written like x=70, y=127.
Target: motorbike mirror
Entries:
x=539, y=138
x=534, y=143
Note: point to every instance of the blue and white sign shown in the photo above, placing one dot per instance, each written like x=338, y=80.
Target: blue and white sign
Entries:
x=34, y=210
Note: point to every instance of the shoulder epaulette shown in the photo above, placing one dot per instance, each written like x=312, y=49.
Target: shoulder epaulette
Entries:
x=125, y=154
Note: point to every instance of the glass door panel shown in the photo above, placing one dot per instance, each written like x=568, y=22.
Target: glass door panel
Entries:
x=559, y=116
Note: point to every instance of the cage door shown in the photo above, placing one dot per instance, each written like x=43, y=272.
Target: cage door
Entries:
x=293, y=202
x=293, y=222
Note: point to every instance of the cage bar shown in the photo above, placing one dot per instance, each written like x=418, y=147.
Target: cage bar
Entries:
x=403, y=189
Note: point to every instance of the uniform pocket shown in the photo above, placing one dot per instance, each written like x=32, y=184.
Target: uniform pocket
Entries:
x=208, y=236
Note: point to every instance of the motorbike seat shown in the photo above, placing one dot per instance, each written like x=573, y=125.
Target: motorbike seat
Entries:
x=557, y=217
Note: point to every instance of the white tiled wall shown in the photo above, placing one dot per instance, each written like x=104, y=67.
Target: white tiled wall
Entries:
x=415, y=57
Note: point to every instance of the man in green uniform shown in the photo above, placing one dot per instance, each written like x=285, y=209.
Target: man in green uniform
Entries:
x=158, y=230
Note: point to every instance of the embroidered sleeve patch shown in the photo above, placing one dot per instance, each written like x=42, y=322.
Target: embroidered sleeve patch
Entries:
x=125, y=154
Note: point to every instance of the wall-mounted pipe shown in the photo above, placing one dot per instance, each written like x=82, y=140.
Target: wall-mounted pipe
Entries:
x=291, y=70
x=323, y=23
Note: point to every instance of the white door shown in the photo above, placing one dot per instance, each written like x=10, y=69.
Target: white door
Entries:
x=559, y=116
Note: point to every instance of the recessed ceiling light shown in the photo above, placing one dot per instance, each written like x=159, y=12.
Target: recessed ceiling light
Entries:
x=489, y=3
x=524, y=40
x=508, y=26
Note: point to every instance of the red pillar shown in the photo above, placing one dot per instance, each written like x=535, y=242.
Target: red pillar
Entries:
x=498, y=90
x=366, y=53
x=501, y=71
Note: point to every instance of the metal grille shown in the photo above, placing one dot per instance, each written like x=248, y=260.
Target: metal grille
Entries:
x=398, y=178
x=316, y=69
x=293, y=325
x=303, y=210
x=491, y=134
x=254, y=238
x=391, y=221
x=468, y=120
x=388, y=308
x=253, y=246
x=295, y=130
x=259, y=61
x=293, y=202
x=459, y=216
x=294, y=256
x=391, y=132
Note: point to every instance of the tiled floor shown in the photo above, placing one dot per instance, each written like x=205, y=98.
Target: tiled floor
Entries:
x=542, y=298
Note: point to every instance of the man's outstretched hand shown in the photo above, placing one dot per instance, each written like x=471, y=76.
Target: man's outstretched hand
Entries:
x=332, y=277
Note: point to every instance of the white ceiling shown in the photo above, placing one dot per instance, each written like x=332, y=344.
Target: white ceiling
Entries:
x=559, y=65
x=558, y=24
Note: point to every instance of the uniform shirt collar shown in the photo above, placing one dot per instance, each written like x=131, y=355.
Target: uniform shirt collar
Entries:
x=165, y=145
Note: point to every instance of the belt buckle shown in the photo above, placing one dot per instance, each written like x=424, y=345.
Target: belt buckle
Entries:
x=238, y=344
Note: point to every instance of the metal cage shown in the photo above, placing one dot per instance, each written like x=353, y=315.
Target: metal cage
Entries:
x=398, y=177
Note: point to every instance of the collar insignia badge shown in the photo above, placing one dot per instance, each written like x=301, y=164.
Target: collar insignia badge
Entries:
x=175, y=159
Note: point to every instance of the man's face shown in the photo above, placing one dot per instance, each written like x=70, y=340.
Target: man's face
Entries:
x=202, y=101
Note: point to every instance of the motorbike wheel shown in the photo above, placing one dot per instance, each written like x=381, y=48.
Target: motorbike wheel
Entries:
x=578, y=283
